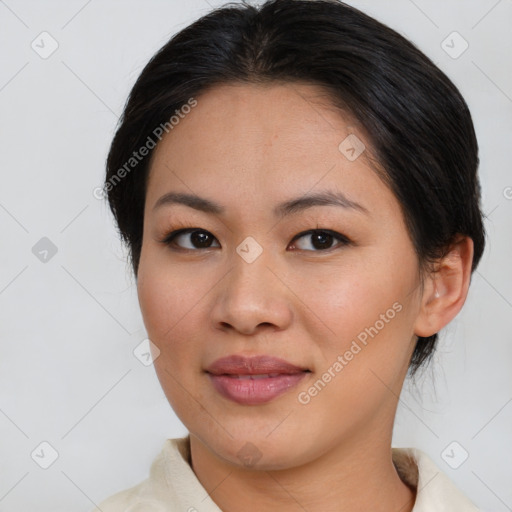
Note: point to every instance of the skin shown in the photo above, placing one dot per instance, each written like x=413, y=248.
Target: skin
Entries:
x=250, y=147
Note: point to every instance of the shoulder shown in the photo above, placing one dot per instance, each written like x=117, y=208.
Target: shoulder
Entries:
x=158, y=492
x=123, y=501
x=435, y=490
x=139, y=498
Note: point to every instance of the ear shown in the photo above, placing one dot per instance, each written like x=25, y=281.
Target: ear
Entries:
x=446, y=289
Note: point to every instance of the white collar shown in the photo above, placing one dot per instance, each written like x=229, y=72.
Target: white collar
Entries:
x=173, y=486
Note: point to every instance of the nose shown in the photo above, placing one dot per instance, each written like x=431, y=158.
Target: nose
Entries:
x=251, y=298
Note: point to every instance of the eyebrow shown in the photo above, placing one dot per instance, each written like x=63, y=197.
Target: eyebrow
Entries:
x=323, y=198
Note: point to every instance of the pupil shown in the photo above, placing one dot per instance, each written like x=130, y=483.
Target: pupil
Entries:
x=200, y=239
x=324, y=239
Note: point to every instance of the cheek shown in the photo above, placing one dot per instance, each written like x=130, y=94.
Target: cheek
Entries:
x=167, y=302
x=349, y=300
x=172, y=303
x=167, y=315
x=155, y=302
x=164, y=302
x=365, y=309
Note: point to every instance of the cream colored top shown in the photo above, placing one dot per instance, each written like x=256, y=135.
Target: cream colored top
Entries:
x=172, y=485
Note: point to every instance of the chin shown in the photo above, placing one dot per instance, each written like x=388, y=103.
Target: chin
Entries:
x=256, y=449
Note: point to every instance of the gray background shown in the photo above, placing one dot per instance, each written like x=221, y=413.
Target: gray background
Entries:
x=69, y=324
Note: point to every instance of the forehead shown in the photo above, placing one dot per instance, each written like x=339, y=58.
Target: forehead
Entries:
x=264, y=141
x=260, y=115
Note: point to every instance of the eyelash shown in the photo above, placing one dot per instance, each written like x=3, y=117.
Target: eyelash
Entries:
x=169, y=239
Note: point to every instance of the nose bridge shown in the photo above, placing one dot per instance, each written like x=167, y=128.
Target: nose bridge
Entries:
x=250, y=270
x=251, y=278
x=252, y=294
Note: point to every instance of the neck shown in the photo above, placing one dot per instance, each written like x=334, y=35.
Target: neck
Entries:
x=354, y=476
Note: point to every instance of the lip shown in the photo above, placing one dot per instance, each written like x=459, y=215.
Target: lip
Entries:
x=252, y=365
x=254, y=380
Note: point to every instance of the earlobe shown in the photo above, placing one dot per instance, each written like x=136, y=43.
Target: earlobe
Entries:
x=445, y=289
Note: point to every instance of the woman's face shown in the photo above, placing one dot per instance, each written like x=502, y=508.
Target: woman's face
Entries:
x=252, y=279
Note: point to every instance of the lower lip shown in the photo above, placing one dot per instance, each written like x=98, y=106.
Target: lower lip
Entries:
x=254, y=391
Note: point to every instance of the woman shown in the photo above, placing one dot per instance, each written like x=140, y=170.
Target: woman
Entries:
x=297, y=186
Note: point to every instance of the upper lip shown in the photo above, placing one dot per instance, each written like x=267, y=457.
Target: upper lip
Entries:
x=252, y=365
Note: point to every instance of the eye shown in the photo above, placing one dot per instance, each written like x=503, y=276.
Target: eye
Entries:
x=200, y=238
x=321, y=239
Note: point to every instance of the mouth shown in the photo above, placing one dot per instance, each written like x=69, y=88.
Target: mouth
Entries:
x=254, y=377
x=255, y=389
x=254, y=380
